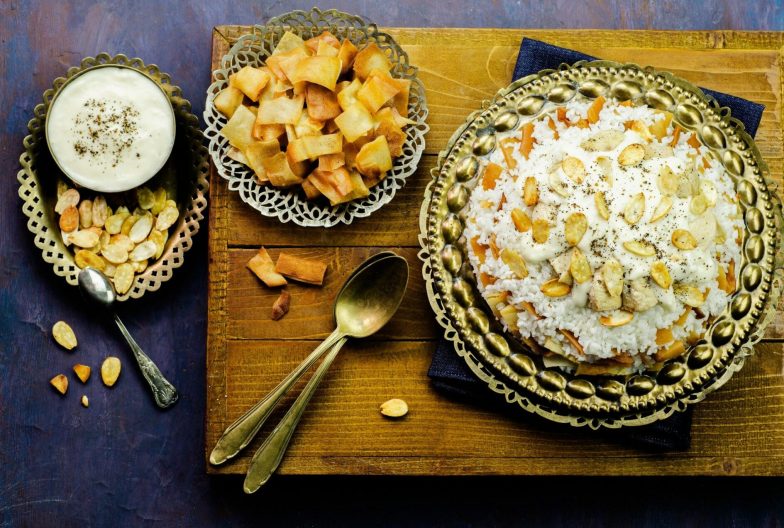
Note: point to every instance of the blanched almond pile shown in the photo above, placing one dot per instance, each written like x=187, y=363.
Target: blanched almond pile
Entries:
x=118, y=242
x=320, y=114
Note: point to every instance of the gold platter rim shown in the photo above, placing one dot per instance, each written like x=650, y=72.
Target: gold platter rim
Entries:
x=39, y=221
x=555, y=403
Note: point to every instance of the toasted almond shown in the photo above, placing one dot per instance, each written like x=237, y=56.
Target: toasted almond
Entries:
x=612, y=273
x=509, y=316
x=554, y=288
x=69, y=219
x=85, y=401
x=657, y=150
x=82, y=372
x=60, y=382
x=664, y=336
x=100, y=211
x=668, y=181
x=103, y=239
x=639, y=248
x=574, y=169
x=660, y=274
x=139, y=266
x=553, y=346
x=114, y=223
x=642, y=129
x=634, y=209
x=673, y=350
x=115, y=253
x=159, y=239
x=603, y=140
x=698, y=204
x=521, y=220
x=64, y=335
x=689, y=295
x=557, y=185
x=110, y=370
x=617, y=318
x=143, y=251
x=145, y=197
x=160, y=201
x=606, y=168
x=281, y=305
x=141, y=229
x=601, y=205
x=515, y=262
x=69, y=198
x=128, y=224
x=579, y=267
x=123, y=278
x=572, y=341
x=661, y=209
x=109, y=270
x=631, y=155
x=540, y=230
x=394, y=408
x=708, y=190
x=167, y=217
x=61, y=187
x=575, y=226
x=86, y=213
x=85, y=258
x=530, y=192
x=683, y=239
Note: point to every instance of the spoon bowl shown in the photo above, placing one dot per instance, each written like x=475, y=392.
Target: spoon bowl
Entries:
x=95, y=287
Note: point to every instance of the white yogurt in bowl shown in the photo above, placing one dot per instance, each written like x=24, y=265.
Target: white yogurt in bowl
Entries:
x=110, y=128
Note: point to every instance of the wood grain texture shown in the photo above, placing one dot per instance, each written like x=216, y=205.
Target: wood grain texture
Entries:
x=737, y=431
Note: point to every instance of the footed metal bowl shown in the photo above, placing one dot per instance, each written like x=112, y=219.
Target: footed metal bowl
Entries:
x=512, y=369
x=188, y=161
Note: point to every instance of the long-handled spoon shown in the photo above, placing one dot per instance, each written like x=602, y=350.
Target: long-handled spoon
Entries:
x=365, y=304
x=96, y=288
x=239, y=434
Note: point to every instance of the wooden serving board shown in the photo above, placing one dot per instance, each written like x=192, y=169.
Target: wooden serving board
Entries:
x=738, y=430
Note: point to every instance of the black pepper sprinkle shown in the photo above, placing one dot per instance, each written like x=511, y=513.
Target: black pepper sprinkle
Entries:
x=111, y=130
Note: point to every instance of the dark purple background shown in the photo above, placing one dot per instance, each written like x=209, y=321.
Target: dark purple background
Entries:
x=122, y=462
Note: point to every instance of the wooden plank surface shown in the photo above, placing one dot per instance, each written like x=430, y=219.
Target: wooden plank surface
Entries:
x=738, y=430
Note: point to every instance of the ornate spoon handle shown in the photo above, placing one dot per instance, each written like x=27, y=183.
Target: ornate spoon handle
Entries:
x=164, y=392
x=268, y=457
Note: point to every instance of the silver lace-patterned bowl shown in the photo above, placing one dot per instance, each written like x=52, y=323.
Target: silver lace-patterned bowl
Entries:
x=39, y=174
x=290, y=205
x=508, y=366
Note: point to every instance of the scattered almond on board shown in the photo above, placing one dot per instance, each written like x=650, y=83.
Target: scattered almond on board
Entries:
x=110, y=370
x=60, y=383
x=394, y=408
x=82, y=372
x=64, y=335
x=273, y=274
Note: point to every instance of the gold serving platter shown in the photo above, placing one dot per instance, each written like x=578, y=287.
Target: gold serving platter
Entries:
x=188, y=163
x=512, y=369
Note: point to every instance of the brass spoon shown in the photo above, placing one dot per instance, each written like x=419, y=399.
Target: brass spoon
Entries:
x=364, y=305
x=96, y=288
x=239, y=434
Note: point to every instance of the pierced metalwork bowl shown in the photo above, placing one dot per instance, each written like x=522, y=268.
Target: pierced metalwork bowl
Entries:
x=290, y=205
x=508, y=366
x=39, y=174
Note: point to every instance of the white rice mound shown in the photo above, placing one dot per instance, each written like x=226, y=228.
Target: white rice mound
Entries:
x=490, y=222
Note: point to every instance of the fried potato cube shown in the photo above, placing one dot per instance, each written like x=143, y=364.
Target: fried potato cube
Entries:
x=297, y=151
x=281, y=110
x=335, y=185
x=323, y=71
x=311, y=192
x=322, y=103
x=239, y=129
x=370, y=58
x=261, y=264
x=277, y=169
x=322, y=145
x=307, y=126
x=258, y=152
x=376, y=91
x=355, y=122
x=228, y=100
x=300, y=168
x=288, y=42
x=326, y=50
x=358, y=187
x=347, y=96
x=326, y=38
x=374, y=158
x=282, y=65
x=346, y=54
x=300, y=269
x=401, y=98
x=251, y=81
x=330, y=162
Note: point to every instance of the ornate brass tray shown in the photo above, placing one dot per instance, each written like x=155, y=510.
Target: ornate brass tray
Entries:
x=39, y=174
x=508, y=366
x=289, y=205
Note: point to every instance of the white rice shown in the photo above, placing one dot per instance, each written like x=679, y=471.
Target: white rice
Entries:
x=696, y=267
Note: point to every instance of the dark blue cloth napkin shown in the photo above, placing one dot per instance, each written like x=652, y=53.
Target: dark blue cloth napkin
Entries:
x=448, y=372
